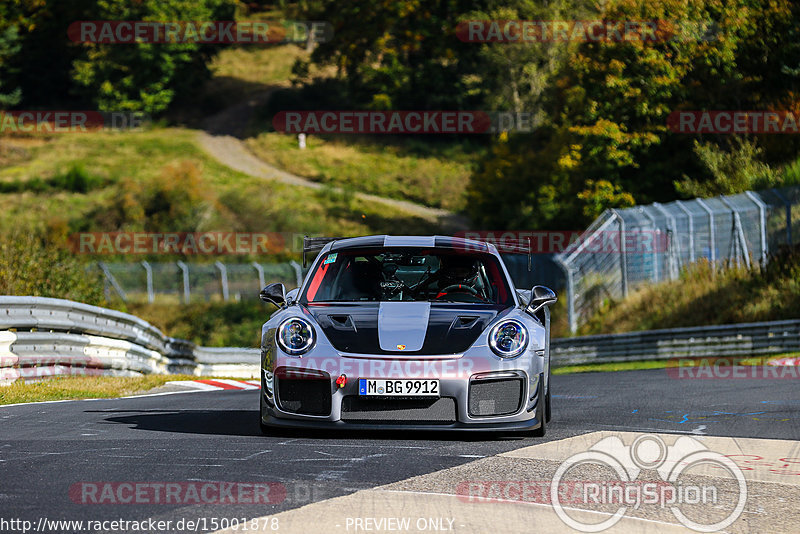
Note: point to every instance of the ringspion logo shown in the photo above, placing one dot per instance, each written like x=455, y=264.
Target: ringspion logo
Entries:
x=650, y=452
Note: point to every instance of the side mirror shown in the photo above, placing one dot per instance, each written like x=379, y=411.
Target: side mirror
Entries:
x=274, y=293
x=541, y=296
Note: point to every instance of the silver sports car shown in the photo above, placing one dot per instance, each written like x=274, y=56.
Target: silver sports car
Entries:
x=406, y=333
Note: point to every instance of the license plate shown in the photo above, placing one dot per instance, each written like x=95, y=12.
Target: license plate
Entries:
x=398, y=388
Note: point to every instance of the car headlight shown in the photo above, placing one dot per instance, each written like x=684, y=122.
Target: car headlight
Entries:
x=508, y=339
x=295, y=336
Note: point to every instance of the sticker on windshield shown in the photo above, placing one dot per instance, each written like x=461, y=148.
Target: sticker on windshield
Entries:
x=330, y=259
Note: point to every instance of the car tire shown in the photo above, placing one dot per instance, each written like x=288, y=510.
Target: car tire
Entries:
x=547, y=403
x=265, y=430
x=541, y=414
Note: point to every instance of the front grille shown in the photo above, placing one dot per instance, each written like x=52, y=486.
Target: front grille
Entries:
x=308, y=396
x=501, y=396
x=425, y=411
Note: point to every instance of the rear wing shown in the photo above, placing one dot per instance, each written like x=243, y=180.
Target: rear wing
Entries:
x=315, y=244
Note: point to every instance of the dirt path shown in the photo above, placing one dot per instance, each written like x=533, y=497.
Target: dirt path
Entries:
x=222, y=139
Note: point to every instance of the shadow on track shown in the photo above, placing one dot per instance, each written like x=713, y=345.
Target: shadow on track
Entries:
x=245, y=423
x=213, y=422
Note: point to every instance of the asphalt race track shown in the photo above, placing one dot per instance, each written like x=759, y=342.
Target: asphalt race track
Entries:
x=48, y=448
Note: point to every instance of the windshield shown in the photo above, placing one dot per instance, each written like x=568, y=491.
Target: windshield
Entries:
x=408, y=274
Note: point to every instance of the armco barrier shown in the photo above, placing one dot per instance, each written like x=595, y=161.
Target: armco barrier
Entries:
x=734, y=340
x=41, y=337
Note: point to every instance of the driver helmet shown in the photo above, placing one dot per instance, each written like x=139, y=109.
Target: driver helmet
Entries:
x=458, y=270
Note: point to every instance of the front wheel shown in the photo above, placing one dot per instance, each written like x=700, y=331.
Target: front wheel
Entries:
x=265, y=430
x=547, y=402
x=541, y=412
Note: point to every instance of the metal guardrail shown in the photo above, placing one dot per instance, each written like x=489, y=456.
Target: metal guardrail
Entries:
x=42, y=337
x=725, y=341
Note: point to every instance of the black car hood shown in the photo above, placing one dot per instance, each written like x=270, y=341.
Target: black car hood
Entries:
x=403, y=328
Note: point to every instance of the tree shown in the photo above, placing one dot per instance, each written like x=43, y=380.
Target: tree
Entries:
x=8, y=47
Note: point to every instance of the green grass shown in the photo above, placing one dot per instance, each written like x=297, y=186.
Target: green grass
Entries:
x=435, y=176
x=224, y=200
x=83, y=387
x=610, y=367
x=661, y=364
x=256, y=65
x=707, y=296
x=208, y=324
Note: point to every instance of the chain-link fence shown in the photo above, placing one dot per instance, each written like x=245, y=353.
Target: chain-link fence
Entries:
x=625, y=248
x=180, y=282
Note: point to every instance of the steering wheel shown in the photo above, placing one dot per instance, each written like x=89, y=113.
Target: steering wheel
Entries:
x=458, y=287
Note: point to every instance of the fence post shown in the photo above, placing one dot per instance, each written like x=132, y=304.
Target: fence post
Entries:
x=762, y=217
x=738, y=242
x=260, y=270
x=571, y=319
x=223, y=278
x=671, y=247
x=623, y=265
x=112, y=281
x=688, y=213
x=712, y=240
x=185, y=272
x=788, y=206
x=149, y=275
x=656, y=273
x=298, y=272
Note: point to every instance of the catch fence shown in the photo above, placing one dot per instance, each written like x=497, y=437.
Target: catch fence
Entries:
x=182, y=282
x=626, y=248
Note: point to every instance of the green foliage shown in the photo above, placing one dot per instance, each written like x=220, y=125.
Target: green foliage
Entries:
x=9, y=46
x=147, y=77
x=142, y=76
x=733, y=171
x=177, y=200
x=608, y=107
x=790, y=174
x=75, y=180
x=210, y=324
x=602, y=195
x=407, y=51
x=705, y=295
x=29, y=265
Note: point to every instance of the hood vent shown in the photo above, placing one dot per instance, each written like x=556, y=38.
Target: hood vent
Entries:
x=342, y=322
x=464, y=321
